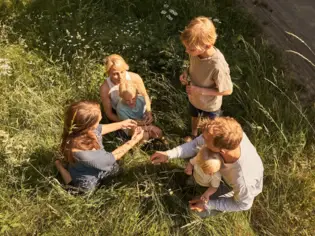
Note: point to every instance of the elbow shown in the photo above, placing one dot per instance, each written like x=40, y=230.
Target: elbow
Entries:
x=228, y=92
x=244, y=206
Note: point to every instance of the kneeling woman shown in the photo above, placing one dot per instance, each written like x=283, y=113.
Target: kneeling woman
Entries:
x=83, y=149
x=133, y=106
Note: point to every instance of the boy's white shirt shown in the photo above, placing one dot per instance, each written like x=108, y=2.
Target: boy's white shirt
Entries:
x=202, y=178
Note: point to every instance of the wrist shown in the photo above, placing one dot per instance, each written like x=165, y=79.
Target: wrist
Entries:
x=121, y=124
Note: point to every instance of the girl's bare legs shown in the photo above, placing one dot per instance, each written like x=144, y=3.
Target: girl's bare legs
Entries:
x=64, y=173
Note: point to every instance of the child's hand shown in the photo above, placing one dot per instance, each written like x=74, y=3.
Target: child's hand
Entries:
x=138, y=134
x=128, y=124
x=148, y=118
x=183, y=78
x=205, y=197
x=189, y=169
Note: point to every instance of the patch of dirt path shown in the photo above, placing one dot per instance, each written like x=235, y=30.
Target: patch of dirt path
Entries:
x=297, y=17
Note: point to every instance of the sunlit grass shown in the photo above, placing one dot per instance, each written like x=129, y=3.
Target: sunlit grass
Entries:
x=51, y=53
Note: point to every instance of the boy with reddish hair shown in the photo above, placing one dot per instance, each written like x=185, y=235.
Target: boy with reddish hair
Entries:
x=208, y=71
x=242, y=168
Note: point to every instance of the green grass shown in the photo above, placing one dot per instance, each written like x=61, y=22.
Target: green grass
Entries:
x=51, y=53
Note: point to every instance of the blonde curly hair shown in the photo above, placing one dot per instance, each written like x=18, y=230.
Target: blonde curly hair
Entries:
x=226, y=132
x=199, y=33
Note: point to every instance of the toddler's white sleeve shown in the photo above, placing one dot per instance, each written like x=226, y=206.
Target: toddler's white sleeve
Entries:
x=216, y=180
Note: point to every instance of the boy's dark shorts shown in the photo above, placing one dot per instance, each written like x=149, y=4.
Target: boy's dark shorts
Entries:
x=195, y=112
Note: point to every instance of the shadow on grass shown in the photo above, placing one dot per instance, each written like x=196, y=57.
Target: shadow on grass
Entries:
x=36, y=173
x=160, y=189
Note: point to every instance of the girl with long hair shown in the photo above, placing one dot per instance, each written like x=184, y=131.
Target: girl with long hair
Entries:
x=82, y=147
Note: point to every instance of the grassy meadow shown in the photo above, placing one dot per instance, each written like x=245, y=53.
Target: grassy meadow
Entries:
x=51, y=53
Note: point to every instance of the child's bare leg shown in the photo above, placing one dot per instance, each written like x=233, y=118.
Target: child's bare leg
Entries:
x=194, y=125
x=64, y=173
x=194, y=129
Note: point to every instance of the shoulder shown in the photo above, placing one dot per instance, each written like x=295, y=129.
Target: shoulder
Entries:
x=82, y=155
x=134, y=76
x=141, y=99
x=98, y=130
x=219, y=61
x=104, y=87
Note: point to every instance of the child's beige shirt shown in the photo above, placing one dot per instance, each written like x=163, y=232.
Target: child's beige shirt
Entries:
x=203, y=179
x=212, y=72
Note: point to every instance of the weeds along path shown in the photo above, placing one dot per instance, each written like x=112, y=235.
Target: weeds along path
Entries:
x=296, y=17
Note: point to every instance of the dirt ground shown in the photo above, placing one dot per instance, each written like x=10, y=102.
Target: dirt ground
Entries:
x=297, y=17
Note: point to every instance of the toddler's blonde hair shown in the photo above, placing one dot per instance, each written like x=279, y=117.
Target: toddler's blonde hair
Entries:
x=209, y=162
x=115, y=62
x=199, y=33
x=127, y=87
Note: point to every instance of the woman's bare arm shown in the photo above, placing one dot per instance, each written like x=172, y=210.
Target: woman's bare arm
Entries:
x=123, y=149
x=105, y=97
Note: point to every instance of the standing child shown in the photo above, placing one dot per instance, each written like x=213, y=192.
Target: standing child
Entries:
x=133, y=106
x=208, y=71
x=205, y=169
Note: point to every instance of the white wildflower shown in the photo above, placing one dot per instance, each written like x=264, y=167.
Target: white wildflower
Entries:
x=163, y=12
x=165, y=5
x=78, y=36
x=5, y=68
x=216, y=20
x=173, y=12
x=169, y=17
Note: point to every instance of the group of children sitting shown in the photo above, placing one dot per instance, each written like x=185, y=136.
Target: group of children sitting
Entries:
x=127, y=105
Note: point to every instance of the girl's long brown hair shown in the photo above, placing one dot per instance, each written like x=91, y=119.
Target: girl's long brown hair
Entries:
x=80, y=118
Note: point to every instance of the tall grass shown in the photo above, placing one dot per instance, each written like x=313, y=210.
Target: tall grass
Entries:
x=51, y=53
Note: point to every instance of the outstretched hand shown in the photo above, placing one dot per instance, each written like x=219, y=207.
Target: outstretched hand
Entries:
x=128, y=124
x=159, y=157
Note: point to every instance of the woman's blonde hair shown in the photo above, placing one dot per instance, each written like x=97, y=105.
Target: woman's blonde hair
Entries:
x=209, y=162
x=199, y=33
x=227, y=133
x=116, y=62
